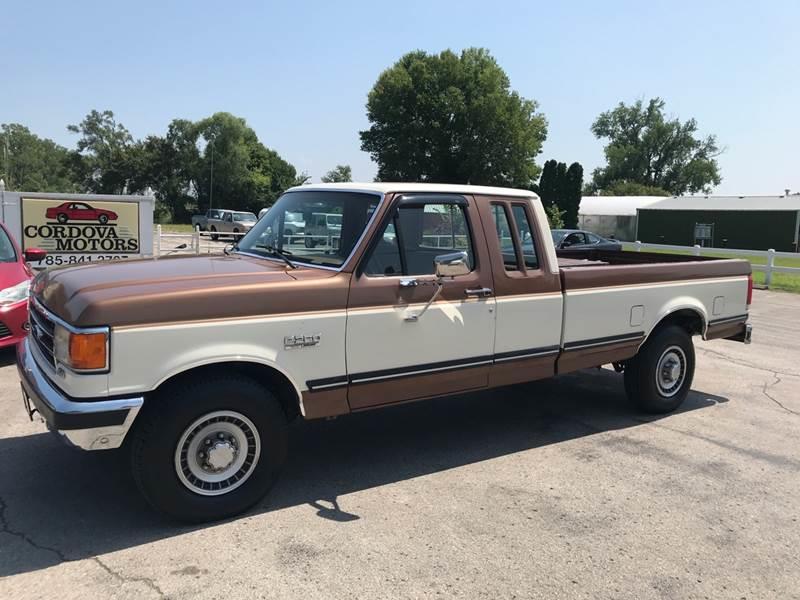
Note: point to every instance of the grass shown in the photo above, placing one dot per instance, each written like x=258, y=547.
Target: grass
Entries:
x=176, y=228
x=780, y=281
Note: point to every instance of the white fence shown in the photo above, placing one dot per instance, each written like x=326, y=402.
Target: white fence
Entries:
x=770, y=256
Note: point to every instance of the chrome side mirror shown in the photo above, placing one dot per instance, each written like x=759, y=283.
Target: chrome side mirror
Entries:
x=447, y=265
x=454, y=264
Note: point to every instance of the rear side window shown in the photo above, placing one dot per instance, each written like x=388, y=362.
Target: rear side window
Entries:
x=502, y=228
x=526, y=236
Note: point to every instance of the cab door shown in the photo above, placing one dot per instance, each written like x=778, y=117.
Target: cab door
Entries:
x=395, y=351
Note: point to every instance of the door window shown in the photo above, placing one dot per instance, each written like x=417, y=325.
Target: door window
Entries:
x=526, y=236
x=592, y=238
x=416, y=235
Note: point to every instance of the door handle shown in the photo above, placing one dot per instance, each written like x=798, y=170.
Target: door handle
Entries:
x=479, y=292
x=409, y=283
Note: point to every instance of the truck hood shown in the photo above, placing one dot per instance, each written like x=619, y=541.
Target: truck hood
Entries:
x=179, y=289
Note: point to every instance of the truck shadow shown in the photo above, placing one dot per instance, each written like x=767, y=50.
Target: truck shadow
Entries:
x=60, y=505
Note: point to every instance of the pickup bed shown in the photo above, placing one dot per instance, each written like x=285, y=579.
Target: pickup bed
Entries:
x=197, y=364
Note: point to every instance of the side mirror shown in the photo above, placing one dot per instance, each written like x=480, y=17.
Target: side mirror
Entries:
x=34, y=254
x=454, y=264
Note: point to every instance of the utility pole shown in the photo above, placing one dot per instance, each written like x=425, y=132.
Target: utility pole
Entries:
x=211, y=190
x=5, y=161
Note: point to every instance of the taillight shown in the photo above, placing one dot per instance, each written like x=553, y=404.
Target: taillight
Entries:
x=749, y=289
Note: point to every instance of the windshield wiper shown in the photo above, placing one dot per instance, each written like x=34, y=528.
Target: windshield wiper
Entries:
x=282, y=254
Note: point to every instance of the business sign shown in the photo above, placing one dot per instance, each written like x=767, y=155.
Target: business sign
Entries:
x=80, y=231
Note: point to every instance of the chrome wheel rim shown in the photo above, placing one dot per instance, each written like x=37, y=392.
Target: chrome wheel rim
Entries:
x=671, y=371
x=217, y=453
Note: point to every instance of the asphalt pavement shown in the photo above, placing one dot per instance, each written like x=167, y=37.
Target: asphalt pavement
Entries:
x=555, y=489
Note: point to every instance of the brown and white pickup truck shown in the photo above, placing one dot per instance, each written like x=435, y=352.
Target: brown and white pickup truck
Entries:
x=198, y=363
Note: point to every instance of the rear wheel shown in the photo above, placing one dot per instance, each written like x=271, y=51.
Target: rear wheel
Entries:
x=214, y=236
x=209, y=450
x=659, y=377
x=62, y=218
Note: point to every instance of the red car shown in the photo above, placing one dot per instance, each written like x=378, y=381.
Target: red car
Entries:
x=79, y=211
x=15, y=276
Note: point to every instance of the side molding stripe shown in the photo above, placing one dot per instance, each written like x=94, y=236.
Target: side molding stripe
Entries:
x=728, y=320
x=604, y=341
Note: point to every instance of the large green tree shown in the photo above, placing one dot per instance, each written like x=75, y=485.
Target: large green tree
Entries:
x=452, y=118
x=341, y=174
x=560, y=189
x=571, y=192
x=31, y=163
x=246, y=174
x=106, y=158
x=644, y=146
x=548, y=183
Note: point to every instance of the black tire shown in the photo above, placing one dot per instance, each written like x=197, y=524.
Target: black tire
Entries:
x=214, y=236
x=309, y=242
x=62, y=218
x=170, y=417
x=103, y=219
x=657, y=389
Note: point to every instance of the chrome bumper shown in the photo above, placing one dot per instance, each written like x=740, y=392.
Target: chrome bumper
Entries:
x=87, y=424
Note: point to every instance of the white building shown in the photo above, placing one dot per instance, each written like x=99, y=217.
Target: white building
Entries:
x=613, y=216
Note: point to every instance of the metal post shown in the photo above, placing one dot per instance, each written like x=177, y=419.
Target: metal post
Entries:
x=211, y=188
x=158, y=239
x=696, y=250
x=196, y=241
x=637, y=245
x=770, y=264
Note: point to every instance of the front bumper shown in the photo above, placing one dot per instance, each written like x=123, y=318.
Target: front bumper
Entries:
x=88, y=424
x=13, y=323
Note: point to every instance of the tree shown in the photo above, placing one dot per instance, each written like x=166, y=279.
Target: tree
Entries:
x=572, y=190
x=560, y=189
x=629, y=188
x=548, y=184
x=453, y=119
x=555, y=217
x=647, y=148
x=105, y=158
x=31, y=163
x=341, y=174
x=246, y=174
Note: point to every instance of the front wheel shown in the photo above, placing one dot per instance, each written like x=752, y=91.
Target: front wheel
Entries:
x=214, y=236
x=209, y=450
x=103, y=219
x=659, y=377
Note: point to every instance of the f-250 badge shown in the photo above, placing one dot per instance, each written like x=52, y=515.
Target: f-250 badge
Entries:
x=301, y=341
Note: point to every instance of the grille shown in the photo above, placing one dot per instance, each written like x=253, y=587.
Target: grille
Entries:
x=4, y=330
x=42, y=331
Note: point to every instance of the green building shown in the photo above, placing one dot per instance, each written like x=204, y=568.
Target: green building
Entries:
x=748, y=222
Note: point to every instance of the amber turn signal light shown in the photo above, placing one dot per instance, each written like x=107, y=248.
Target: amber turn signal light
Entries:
x=87, y=350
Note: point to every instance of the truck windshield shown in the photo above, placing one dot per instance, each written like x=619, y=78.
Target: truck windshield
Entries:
x=312, y=227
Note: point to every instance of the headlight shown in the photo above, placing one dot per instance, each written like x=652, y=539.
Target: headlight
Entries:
x=81, y=351
x=15, y=293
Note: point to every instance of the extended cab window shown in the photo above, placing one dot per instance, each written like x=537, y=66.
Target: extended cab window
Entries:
x=312, y=227
x=416, y=234
x=526, y=236
x=503, y=229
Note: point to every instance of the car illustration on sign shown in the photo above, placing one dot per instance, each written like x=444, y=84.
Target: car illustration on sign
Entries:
x=79, y=211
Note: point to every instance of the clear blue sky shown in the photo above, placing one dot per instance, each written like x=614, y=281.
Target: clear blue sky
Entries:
x=299, y=71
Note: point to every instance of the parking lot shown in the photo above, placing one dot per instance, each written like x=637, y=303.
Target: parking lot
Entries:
x=555, y=489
